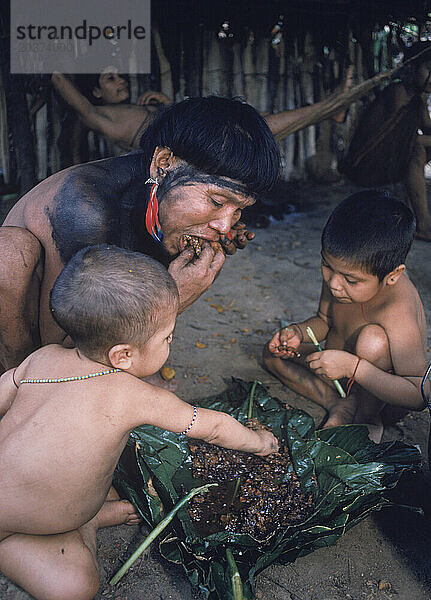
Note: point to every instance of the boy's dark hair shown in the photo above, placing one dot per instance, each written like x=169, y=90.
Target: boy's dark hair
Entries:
x=218, y=136
x=371, y=230
x=107, y=295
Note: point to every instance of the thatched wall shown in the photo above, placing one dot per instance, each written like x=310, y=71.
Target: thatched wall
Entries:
x=273, y=68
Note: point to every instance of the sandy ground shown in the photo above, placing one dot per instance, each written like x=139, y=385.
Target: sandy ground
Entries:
x=387, y=556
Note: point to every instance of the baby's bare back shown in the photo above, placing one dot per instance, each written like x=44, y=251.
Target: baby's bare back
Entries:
x=59, y=444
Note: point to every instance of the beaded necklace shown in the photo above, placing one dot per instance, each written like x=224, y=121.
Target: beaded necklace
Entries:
x=76, y=378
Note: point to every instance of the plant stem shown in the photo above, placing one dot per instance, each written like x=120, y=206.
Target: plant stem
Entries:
x=235, y=577
x=249, y=416
x=320, y=349
x=250, y=402
x=157, y=530
x=237, y=484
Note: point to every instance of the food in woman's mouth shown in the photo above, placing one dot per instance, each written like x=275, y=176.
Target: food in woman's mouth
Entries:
x=194, y=242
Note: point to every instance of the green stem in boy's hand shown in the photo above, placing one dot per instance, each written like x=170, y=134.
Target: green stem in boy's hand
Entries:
x=319, y=347
x=157, y=530
x=313, y=338
x=235, y=577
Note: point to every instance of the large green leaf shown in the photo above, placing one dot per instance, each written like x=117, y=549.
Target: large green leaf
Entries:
x=345, y=472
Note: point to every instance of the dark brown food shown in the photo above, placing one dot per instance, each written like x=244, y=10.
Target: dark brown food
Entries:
x=288, y=348
x=262, y=502
x=227, y=244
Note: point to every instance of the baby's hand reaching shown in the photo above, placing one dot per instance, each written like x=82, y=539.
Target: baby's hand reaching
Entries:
x=285, y=342
x=269, y=442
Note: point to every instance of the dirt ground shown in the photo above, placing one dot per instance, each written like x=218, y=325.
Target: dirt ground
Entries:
x=387, y=556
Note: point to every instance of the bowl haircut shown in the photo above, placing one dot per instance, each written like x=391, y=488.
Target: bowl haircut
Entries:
x=370, y=230
x=106, y=296
x=220, y=137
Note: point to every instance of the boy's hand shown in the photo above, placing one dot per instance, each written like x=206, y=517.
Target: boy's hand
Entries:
x=285, y=342
x=333, y=364
x=195, y=274
x=269, y=442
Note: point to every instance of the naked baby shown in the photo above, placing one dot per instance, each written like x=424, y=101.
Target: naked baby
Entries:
x=67, y=413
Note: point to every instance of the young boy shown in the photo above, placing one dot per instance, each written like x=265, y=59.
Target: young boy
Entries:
x=370, y=315
x=68, y=414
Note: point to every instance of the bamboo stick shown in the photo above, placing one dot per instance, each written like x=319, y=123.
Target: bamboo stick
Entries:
x=4, y=140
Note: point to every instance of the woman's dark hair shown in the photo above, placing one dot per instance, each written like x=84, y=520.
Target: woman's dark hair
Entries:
x=218, y=136
x=106, y=295
x=371, y=230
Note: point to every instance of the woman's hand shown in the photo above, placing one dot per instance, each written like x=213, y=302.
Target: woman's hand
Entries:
x=195, y=274
x=237, y=238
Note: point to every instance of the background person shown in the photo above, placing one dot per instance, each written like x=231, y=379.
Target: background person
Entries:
x=124, y=123
x=101, y=104
x=387, y=147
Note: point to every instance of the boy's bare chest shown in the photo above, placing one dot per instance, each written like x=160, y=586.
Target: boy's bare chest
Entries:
x=345, y=322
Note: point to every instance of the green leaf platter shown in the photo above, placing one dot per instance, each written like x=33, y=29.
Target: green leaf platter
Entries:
x=346, y=473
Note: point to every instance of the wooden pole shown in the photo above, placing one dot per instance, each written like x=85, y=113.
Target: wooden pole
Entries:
x=333, y=104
